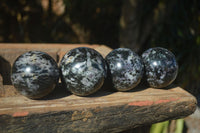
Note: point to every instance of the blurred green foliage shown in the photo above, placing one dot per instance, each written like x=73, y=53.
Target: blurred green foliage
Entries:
x=166, y=127
x=161, y=127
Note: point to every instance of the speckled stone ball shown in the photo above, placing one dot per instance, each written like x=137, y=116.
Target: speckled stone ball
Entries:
x=35, y=74
x=83, y=71
x=125, y=68
x=161, y=67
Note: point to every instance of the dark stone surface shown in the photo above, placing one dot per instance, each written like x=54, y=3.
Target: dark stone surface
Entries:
x=35, y=74
x=83, y=71
x=125, y=68
x=161, y=67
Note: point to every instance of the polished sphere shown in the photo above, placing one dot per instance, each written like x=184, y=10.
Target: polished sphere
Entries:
x=161, y=67
x=125, y=68
x=35, y=74
x=83, y=71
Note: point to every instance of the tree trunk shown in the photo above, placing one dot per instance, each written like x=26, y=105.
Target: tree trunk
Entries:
x=139, y=20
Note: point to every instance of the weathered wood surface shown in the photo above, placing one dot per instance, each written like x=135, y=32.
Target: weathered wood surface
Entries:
x=104, y=111
x=11, y=51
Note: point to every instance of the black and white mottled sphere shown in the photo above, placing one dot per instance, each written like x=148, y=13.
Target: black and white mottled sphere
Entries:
x=161, y=67
x=35, y=74
x=83, y=71
x=125, y=68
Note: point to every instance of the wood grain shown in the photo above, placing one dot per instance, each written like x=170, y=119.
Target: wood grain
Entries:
x=105, y=111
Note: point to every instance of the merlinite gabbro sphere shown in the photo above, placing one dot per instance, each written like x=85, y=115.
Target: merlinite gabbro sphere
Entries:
x=83, y=71
x=35, y=74
x=125, y=68
x=161, y=67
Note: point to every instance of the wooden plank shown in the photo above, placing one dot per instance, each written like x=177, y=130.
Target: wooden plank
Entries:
x=104, y=111
x=11, y=51
x=43, y=45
